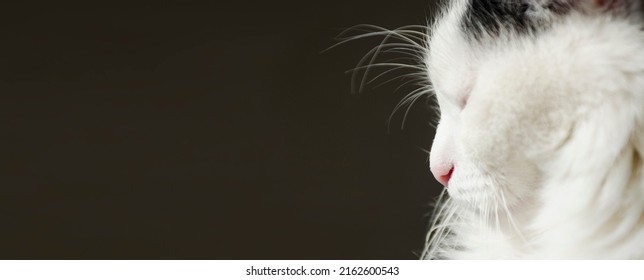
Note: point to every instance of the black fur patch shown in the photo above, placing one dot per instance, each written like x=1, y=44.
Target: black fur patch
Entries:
x=490, y=17
x=559, y=7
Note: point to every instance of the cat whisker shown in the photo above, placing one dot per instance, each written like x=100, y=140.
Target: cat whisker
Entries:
x=419, y=79
x=511, y=220
x=406, y=33
x=418, y=76
x=370, y=33
x=497, y=220
x=385, y=64
x=375, y=54
x=444, y=232
x=438, y=210
x=408, y=100
x=434, y=121
x=371, y=54
x=385, y=73
x=412, y=41
x=413, y=75
x=433, y=124
x=482, y=206
x=443, y=220
x=406, y=51
x=368, y=67
x=424, y=150
x=411, y=103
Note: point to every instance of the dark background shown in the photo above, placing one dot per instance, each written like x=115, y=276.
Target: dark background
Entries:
x=205, y=130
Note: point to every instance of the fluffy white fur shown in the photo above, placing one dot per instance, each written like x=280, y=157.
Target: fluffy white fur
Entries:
x=546, y=136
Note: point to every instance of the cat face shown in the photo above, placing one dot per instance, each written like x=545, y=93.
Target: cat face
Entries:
x=498, y=119
x=509, y=90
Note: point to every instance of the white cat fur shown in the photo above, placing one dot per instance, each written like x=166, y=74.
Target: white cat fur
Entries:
x=546, y=135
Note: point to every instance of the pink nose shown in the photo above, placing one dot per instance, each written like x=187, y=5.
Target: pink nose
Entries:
x=443, y=174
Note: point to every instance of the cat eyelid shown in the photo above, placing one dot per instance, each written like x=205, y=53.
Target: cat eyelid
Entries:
x=460, y=99
x=462, y=102
x=464, y=96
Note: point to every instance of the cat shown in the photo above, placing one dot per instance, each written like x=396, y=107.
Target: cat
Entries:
x=540, y=142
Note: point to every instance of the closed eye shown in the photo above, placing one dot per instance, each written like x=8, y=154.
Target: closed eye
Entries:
x=463, y=101
x=464, y=97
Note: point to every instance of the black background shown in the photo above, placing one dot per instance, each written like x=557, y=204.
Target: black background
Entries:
x=205, y=130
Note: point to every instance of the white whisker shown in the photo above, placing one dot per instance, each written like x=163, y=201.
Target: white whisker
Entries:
x=511, y=220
